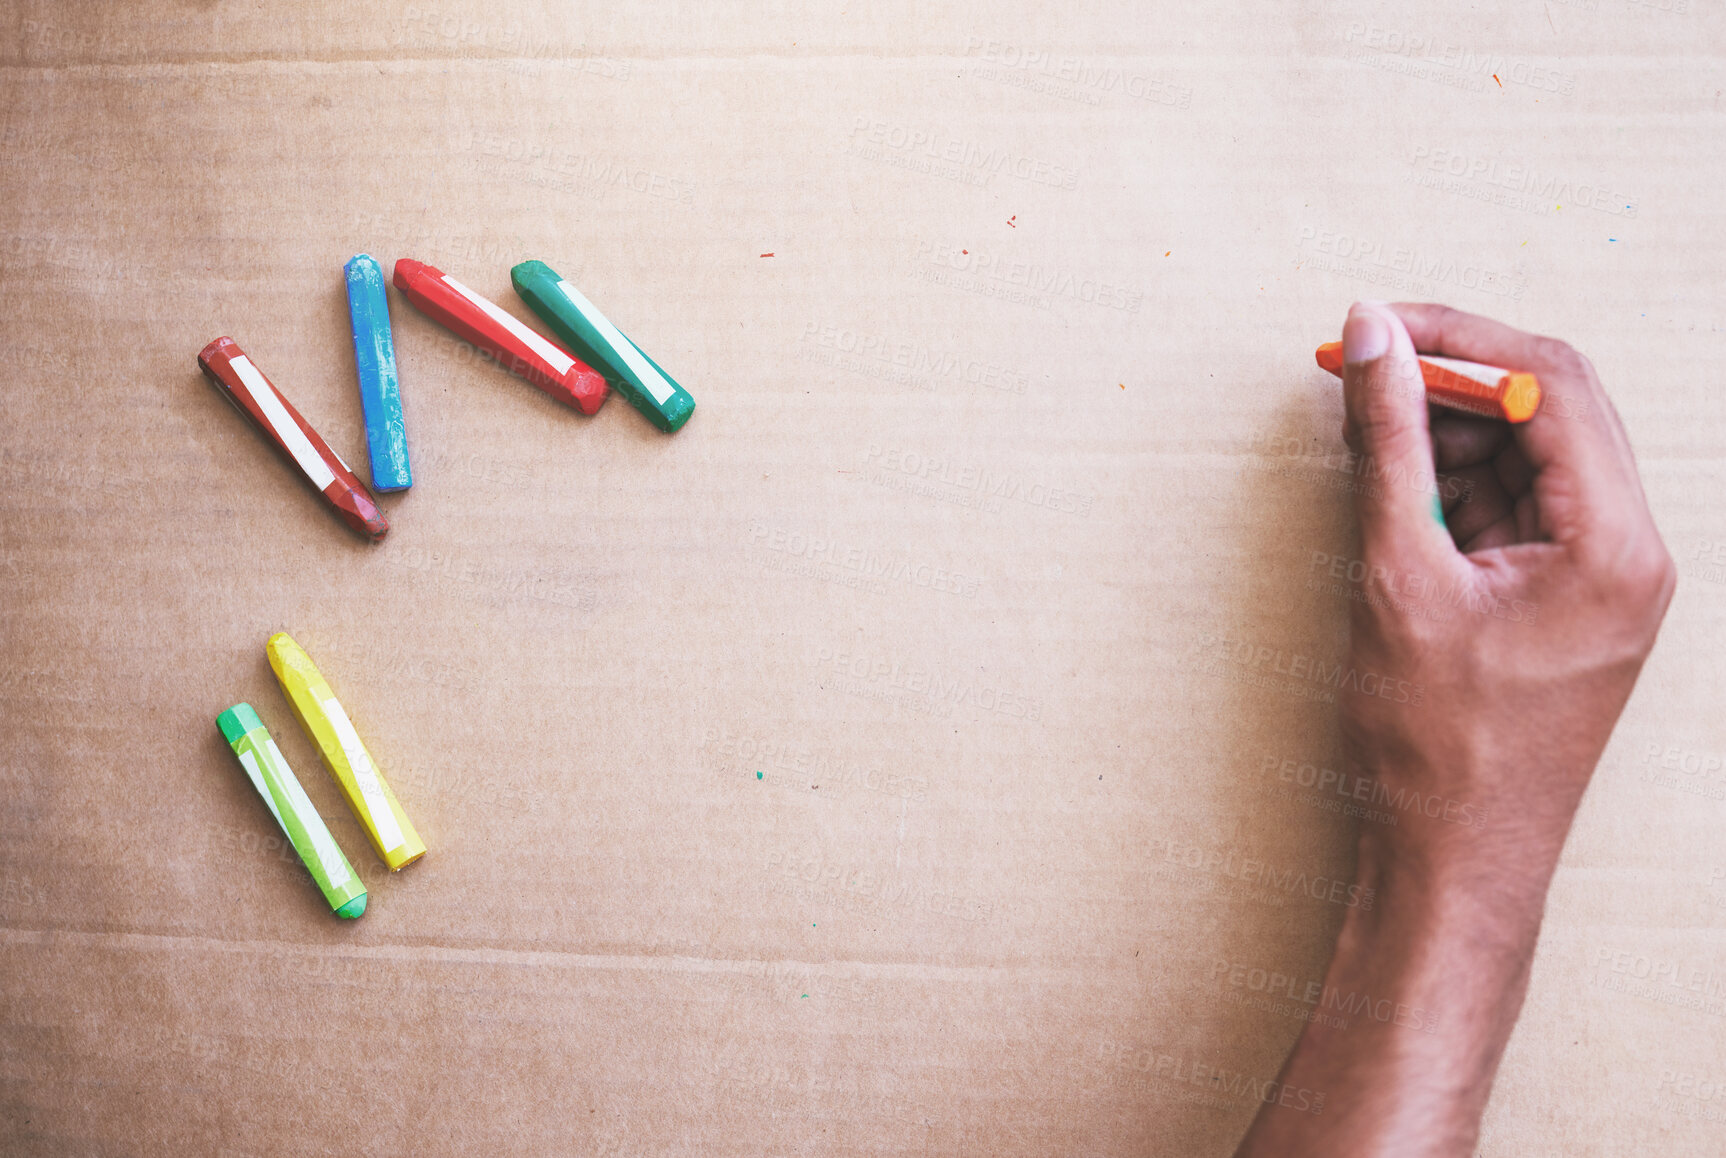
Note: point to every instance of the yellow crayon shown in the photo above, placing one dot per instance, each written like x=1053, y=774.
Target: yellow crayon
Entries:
x=350, y=765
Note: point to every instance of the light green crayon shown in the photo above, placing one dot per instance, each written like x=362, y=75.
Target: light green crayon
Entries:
x=304, y=828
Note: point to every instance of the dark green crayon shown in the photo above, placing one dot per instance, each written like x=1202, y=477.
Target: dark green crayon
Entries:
x=591, y=335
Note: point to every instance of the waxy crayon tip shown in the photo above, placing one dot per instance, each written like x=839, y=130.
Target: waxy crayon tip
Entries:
x=589, y=388
x=376, y=526
x=361, y=513
x=677, y=412
x=353, y=908
x=363, y=267
x=286, y=654
x=406, y=270
x=218, y=346
x=237, y=721
x=1329, y=357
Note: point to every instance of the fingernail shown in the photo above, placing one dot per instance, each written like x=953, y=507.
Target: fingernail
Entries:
x=1364, y=337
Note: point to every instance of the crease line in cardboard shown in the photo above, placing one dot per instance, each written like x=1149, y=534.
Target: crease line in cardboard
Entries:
x=454, y=955
x=750, y=57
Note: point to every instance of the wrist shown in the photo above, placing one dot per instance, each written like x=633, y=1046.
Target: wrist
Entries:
x=1421, y=994
x=1432, y=892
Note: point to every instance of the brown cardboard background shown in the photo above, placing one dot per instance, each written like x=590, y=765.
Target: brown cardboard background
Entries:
x=576, y=645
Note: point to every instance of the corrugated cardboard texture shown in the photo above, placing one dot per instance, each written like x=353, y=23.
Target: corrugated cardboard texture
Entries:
x=854, y=771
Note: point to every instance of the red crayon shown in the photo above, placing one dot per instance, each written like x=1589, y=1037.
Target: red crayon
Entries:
x=255, y=396
x=488, y=327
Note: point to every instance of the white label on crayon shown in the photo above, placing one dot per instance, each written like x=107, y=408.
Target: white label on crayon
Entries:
x=335, y=864
x=285, y=427
x=554, y=357
x=371, y=789
x=1474, y=371
x=250, y=763
x=652, y=380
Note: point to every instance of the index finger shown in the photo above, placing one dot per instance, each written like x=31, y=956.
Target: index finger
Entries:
x=1576, y=435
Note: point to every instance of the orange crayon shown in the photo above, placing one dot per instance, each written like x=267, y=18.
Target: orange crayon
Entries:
x=1511, y=395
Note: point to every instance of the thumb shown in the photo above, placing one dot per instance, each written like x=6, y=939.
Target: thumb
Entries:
x=1385, y=400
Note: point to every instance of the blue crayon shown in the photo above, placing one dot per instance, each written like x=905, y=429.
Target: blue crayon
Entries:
x=375, y=360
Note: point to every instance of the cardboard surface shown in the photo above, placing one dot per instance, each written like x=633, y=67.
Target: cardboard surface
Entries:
x=856, y=771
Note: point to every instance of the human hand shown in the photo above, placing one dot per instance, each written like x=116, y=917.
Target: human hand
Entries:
x=1524, y=626
x=1488, y=661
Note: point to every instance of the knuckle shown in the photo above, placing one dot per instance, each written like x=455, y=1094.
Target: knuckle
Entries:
x=1560, y=356
x=1371, y=425
x=1386, y=632
x=1648, y=576
x=1451, y=323
x=1447, y=317
x=1661, y=576
x=1386, y=434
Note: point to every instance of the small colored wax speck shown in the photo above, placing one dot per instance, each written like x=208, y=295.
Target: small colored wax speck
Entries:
x=758, y=775
x=1495, y=77
x=1012, y=219
x=767, y=255
x=1612, y=239
x=964, y=251
x=1166, y=252
x=1122, y=385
